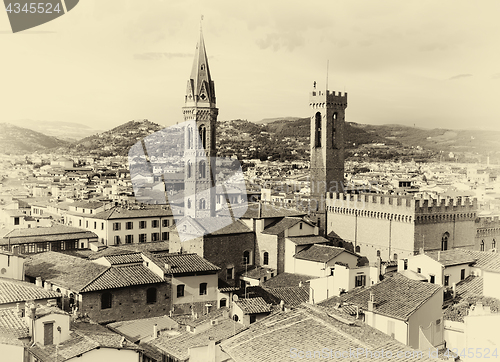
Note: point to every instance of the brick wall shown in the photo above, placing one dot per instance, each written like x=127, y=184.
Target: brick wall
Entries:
x=227, y=250
x=127, y=303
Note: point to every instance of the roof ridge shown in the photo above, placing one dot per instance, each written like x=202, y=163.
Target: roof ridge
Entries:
x=93, y=280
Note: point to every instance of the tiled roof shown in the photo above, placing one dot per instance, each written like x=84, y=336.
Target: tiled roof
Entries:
x=253, y=305
x=258, y=272
x=266, y=211
x=483, y=258
x=292, y=296
x=177, y=345
x=53, y=233
x=282, y=225
x=470, y=286
x=308, y=328
x=396, y=296
x=187, y=319
x=63, y=270
x=186, y=263
x=451, y=257
x=124, y=258
x=493, y=265
x=319, y=253
x=87, y=204
x=120, y=213
x=138, y=329
x=11, y=324
x=122, y=276
x=226, y=225
x=12, y=291
x=84, y=338
x=288, y=280
x=154, y=247
x=308, y=239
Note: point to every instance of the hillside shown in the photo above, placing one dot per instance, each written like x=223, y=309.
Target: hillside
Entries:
x=19, y=140
x=63, y=130
x=116, y=141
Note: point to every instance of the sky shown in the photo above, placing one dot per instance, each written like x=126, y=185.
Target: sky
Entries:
x=429, y=64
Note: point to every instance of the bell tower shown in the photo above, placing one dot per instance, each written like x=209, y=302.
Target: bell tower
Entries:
x=200, y=114
x=327, y=149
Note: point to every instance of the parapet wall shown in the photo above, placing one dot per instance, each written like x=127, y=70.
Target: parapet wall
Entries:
x=439, y=206
x=371, y=202
x=321, y=97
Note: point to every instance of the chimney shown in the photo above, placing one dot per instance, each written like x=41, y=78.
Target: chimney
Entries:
x=38, y=282
x=357, y=312
x=282, y=305
x=32, y=311
x=300, y=284
x=421, y=251
x=454, y=288
x=371, y=302
x=155, y=331
x=48, y=285
x=15, y=249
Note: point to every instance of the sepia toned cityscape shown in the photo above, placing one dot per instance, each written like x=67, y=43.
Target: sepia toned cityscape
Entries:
x=284, y=213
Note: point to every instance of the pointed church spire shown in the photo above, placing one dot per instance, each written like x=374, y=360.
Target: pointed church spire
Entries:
x=200, y=85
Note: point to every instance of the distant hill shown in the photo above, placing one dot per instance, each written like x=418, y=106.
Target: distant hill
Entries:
x=118, y=140
x=19, y=140
x=63, y=130
x=271, y=120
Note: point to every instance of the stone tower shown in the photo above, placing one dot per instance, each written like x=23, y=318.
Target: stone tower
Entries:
x=327, y=149
x=200, y=113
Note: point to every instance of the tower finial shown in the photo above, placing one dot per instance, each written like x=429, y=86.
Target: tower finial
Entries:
x=201, y=23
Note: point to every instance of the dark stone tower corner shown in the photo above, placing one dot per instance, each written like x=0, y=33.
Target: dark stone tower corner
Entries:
x=327, y=149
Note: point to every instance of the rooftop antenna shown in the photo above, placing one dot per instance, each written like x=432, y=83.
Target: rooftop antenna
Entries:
x=327, y=63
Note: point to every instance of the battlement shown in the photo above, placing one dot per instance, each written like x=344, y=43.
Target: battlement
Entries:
x=432, y=206
x=372, y=202
x=318, y=96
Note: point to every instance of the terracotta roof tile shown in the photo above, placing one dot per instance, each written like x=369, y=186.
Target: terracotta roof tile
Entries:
x=396, y=296
x=63, y=270
x=451, y=257
x=292, y=296
x=122, y=276
x=53, y=233
x=12, y=291
x=320, y=253
x=308, y=239
x=138, y=329
x=266, y=211
x=186, y=263
x=482, y=257
x=288, y=280
x=124, y=258
x=253, y=305
x=11, y=324
x=282, y=225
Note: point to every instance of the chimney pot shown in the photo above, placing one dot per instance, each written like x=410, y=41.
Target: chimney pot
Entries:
x=155, y=331
x=282, y=305
x=38, y=282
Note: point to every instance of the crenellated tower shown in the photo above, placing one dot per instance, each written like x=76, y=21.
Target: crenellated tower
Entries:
x=327, y=149
x=200, y=112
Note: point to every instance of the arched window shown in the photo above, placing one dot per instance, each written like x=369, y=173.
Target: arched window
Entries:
x=317, y=123
x=202, y=204
x=203, y=136
x=189, y=169
x=482, y=245
x=189, y=203
x=246, y=257
x=202, y=169
x=190, y=138
x=334, y=128
x=106, y=300
x=358, y=249
x=493, y=244
x=378, y=253
x=265, y=258
x=203, y=288
x=444, y=241
x=236, y=318
x=395, y=256
x=151, y=296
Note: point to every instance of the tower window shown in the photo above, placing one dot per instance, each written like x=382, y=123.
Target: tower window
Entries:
x=202, y=67
x=334, y=126
x=203, y=133
x=189, y=169
x=202, y=204
x=202, y=166
x=444, y=241
x=318, y=129
x=265, y=258
x=482, y=245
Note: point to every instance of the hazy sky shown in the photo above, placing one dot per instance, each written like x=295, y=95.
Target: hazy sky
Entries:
x=429, y=63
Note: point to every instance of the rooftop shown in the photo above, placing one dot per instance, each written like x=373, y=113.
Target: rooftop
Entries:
x=11, y=324
x=396, y=296
x=186, y=263
x=308, y=239
x=288, y=280
x=53, y=233
x=320, y=253
x=282, y=225
x=13, y=291
x=264, y=211
x=451, y=257
x=117, y=213
x=253, y=305
x=292, y=296
x=138, y=329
